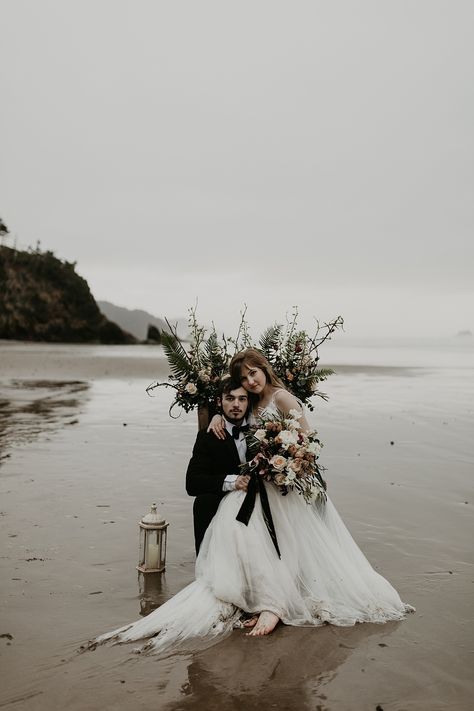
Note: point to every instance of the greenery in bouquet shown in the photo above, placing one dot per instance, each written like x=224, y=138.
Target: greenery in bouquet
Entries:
x=286, y=456
x=197, y=366
x=294, y=356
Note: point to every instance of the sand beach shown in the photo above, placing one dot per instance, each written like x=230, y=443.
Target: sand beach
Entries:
x=84, y=451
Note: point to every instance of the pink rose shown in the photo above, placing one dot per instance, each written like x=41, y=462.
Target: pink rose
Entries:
x=278, y=462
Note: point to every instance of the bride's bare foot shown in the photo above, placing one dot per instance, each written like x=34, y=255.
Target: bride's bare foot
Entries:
x=267, y=622
x=251, y=622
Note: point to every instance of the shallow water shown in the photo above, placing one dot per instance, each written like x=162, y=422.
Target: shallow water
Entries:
x=80, y=475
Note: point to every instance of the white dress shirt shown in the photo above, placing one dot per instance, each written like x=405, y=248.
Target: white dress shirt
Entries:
x=241, y=444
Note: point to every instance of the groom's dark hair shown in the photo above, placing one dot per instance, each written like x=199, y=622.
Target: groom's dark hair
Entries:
x=227, y=384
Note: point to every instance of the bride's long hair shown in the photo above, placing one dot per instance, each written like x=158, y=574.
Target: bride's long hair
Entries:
x=254, y=358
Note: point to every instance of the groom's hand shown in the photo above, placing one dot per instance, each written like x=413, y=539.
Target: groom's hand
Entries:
x=242, y=482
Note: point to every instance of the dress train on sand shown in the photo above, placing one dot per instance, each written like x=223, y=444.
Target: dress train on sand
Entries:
x=322, y=577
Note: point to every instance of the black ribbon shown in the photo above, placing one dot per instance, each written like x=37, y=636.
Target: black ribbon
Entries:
x=256, y=484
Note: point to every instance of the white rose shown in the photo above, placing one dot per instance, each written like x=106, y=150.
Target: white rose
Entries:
x=191, y=389
x=286, y=438
x=260, y=434
x=295, y=414
x=290, y=476
x=203, y=376
x=278, y=462
x=313, y=447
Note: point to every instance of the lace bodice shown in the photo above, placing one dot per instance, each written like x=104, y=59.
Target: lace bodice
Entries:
x=270, y=409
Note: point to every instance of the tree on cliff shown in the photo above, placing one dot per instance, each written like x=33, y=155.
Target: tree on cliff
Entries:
x=4, y=231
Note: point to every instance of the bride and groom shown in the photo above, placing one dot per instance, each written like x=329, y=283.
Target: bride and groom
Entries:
x=317, y=574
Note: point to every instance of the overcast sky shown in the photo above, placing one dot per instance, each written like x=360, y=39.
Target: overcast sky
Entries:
x=259, y=151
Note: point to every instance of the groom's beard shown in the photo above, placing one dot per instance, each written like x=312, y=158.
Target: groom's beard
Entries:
x=234, y=420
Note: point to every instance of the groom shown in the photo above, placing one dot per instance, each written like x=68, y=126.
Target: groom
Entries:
x=214, y=466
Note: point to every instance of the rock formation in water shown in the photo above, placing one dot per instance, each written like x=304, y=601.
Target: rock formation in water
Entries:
x=153, y=335
x=43, y=299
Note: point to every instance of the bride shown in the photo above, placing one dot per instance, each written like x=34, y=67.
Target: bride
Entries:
x=320, y=576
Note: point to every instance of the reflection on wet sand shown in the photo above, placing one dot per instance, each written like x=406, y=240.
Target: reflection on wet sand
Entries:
x=29, y=408
x=152, y=591
x=288, y=670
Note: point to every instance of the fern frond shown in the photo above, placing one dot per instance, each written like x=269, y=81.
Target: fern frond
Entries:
x=212, y=348
x=323, y=373
x=270, y=338
x=178, y=359
x=215, y=354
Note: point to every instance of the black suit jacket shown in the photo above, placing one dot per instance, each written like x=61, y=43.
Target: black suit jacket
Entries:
x=212, y=460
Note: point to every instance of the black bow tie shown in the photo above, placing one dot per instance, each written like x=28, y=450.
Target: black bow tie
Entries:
x=237, y=429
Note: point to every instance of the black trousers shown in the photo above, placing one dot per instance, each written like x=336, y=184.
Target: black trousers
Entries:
x=204, y=510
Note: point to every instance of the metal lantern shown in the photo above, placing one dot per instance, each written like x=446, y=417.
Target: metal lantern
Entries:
x=152, y=553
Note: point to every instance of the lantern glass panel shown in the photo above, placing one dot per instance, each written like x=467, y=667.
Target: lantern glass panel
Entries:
x=141, y=548
x=152, y=550
x=163, y=549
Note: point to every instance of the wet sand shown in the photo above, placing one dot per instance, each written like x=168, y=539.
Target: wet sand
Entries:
x=84, y=452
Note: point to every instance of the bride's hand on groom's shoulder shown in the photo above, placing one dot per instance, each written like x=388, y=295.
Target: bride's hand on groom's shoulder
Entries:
x=217, y=426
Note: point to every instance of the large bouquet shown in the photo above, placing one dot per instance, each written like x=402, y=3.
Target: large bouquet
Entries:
x=285, y=455
x=294, y=356
x=197, y=366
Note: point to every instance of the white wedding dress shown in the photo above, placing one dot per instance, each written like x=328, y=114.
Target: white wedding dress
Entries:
x=322, y=577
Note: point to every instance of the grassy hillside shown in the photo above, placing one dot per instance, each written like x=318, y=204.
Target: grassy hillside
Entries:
x=43, y=299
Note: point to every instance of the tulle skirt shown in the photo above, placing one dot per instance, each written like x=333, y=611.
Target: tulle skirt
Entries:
x=321, y=577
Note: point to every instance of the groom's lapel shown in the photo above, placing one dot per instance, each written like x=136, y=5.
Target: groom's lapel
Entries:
x=230, y=444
